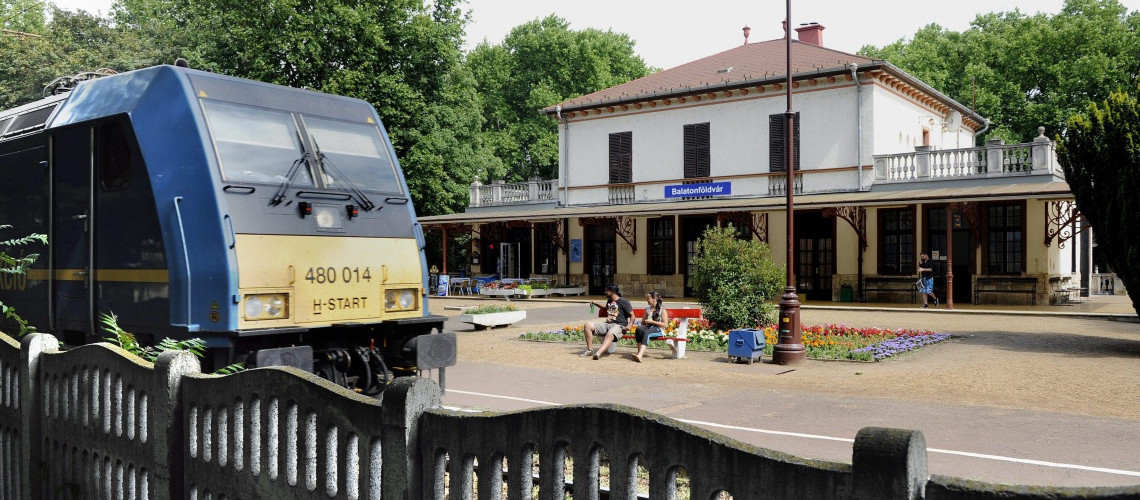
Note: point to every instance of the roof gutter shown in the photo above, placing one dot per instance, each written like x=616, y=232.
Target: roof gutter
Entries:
x=777, y=79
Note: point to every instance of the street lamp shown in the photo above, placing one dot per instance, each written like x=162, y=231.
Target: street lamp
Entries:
x=789, y=347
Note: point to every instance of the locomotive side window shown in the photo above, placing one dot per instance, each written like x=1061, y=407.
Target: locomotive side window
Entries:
x=114, y=158
x=357, y=151
x=255, y=144
x=32, y=120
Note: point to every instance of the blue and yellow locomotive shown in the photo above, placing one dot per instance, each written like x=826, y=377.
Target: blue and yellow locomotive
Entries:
x=274, y=223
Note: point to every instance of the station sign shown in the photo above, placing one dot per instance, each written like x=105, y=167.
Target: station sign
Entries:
x=698, y=190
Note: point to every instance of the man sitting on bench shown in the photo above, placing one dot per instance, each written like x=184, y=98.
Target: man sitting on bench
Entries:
x=618, y=312
x=653, y=323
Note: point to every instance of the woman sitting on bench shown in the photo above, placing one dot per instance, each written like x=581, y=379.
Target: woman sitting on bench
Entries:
x=653, y=323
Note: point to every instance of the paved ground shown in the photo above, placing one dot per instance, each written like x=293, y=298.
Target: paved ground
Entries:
x=1045, y=395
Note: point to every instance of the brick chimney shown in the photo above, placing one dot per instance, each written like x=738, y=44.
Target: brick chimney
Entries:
x=811, y=33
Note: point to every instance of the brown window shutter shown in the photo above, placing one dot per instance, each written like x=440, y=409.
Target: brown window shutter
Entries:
x=776, y=126
x=621, y=157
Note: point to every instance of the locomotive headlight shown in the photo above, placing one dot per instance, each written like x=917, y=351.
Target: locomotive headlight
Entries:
x=328, y=217
x=266, y=306
x=399, y=300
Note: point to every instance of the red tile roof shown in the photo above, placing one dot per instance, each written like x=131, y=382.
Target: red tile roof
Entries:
x=747, y=63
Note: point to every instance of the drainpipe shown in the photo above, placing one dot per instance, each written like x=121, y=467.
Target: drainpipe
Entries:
x=858, y=122
x=565, y=181
x=565, y=160
x=980, y=132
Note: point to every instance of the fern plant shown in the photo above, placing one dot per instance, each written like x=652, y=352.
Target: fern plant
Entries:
x=130, y=343
x=18, y=266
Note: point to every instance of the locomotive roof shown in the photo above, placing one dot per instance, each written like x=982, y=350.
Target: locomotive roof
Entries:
x=124, y=92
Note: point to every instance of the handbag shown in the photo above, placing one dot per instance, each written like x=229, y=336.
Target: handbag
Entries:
x=918, y=284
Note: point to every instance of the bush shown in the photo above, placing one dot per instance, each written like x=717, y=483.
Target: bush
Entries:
x=19, y=266
x=488, y=309
x=735, y=280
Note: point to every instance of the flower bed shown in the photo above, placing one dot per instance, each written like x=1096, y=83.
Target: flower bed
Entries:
x=820, y=341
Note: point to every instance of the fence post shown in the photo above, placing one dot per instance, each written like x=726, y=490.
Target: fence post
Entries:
x=31, y=473
x=1042, y=153
x=169, y=448
x=889, y=464
x=994, y=161
x=476, y=194
x=922, y=162
x=405, y=399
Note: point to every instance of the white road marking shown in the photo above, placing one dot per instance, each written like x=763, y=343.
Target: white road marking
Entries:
x=832, y=438
x=525, y=400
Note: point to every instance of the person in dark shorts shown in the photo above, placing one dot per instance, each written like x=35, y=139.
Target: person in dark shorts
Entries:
x=653, y=323
x=618, y=311
x=927, y=269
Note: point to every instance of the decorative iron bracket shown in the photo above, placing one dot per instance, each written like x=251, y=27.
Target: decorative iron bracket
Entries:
x=1061, y=215
x=622, y=225
x=856, y=217
x=558, y=235
x=757, y=223
x=969, y=210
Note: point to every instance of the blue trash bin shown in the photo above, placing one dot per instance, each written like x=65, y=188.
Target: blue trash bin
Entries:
x=746, y=344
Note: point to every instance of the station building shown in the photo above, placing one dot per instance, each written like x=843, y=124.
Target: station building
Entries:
x=647, y=166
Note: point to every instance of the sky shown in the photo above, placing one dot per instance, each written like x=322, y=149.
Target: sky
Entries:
x=672, y=32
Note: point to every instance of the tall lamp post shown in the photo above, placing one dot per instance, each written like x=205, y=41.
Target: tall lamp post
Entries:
x=789, y=347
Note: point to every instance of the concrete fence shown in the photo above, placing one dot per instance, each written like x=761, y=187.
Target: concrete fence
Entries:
x=95, y=422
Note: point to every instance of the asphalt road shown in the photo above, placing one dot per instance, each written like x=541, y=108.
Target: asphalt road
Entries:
x=992, y=443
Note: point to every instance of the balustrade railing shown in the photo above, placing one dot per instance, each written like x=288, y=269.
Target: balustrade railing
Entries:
x=513, y=193
x=622, y=194
x=996, y=159
x=778, y=185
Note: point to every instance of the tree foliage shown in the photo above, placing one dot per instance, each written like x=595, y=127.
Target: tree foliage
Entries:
x=1025, y=71
x=1100, y=154
x=71, y=43
x=18, y=265
x=27, y=16
x=735, y=280
x=539, y=64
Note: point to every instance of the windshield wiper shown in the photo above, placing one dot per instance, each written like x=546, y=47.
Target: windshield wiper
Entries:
x=279, y=196
x=365, y=203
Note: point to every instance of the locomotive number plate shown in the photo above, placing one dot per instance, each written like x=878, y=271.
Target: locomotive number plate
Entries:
x=332, y=275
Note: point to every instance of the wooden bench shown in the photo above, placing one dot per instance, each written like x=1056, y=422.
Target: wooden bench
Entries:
x=890, y=284
x=683, y=313
x=1006, y=284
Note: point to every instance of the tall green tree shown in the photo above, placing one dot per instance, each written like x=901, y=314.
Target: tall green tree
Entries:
x=72, y=42
x=539, y=64
x=27, y=16
x=1025, y=71
x=1100, y=154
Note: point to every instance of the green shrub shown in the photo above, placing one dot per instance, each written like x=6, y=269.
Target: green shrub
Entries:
x=488, y=309
x=129, y=343
x=735, y=280
x=18, y=265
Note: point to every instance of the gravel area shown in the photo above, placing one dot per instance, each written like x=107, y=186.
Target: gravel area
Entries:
x=1049, y=363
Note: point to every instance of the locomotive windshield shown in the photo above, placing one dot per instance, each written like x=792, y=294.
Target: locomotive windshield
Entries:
x=356, y=152
x=255, y=144
x=261, y=145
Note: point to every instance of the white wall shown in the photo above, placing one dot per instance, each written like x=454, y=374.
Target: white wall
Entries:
x=738, y=129
x=899, y=121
